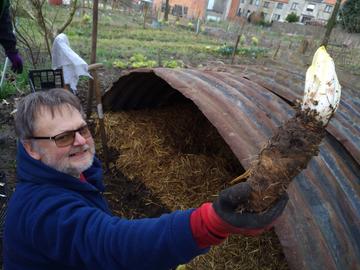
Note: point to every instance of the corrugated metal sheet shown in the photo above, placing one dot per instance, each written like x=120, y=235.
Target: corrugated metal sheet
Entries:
x=345, y=125
x=320, y=228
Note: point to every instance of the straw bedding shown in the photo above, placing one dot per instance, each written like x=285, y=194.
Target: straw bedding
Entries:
x=178, y=155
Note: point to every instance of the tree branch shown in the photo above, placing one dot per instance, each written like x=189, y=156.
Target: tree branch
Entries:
x=70, y=18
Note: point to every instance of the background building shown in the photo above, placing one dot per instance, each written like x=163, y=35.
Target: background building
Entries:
x=274, y=10
x=277, y=10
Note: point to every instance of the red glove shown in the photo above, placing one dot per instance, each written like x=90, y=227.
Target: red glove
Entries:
x=212, y=223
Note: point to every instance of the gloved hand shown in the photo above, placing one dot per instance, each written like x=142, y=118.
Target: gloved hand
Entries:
x=211, y=223
x=17, y=63
x=245, y=223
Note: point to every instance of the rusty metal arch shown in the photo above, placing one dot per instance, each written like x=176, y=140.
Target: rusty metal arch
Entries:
x=320, y=228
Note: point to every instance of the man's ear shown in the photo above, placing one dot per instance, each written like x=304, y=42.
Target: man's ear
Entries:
x=30, y=150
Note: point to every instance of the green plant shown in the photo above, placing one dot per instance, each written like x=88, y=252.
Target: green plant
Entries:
x=254, y=41
x=13, y=84
x=120, y=64
x=7, y=89
x=146, y=64
x=138, y=57
x=138, y=60
x=173, y=64
x=225, y=49
x=85, y=19
x=264, y=23
x=253, y=52
x=292, y=17
x=242, y=40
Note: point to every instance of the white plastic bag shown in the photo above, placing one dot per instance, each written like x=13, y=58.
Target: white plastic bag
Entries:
x=72, y=64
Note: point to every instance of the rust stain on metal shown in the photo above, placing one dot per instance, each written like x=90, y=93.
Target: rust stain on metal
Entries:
x=320, y=228
x=345, y=125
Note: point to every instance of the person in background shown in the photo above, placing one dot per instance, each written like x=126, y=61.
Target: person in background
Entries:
x=7, y=37
x=57, y=218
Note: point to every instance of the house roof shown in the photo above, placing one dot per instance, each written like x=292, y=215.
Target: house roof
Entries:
x=281, y=1
x=332, y=2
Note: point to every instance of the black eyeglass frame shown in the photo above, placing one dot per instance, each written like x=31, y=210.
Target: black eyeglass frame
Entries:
x=54, y=138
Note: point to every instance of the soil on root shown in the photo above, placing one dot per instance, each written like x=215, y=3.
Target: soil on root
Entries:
x=286, y=154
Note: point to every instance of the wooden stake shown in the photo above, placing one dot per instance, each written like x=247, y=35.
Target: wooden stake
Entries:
x=331, y=24
x=277, y=50
x=93, y=56
x=237, y=41
x=92, y=69
x=235, y=48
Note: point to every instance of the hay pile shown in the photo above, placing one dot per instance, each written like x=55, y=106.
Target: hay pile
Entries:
x=175, y=151
x=181, y=158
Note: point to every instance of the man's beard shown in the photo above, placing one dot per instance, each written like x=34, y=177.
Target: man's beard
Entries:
x=65, y=165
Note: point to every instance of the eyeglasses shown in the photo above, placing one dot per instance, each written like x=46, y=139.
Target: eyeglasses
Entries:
x=68, y=137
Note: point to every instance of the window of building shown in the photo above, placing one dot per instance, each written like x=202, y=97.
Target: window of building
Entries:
x=310, y=7
x=251, y=2
x=239, y=12
x=266, y=4
x=279, y=5
x=242, y=1
x=266, y=16
x=186, y=10
x=294, y=6
x=257, y=2
x=276, y=17
x=328, y=9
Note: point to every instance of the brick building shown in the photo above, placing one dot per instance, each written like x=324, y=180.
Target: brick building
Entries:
x=184, y=8
x=277, y=10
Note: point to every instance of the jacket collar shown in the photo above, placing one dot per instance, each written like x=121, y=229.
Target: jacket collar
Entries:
x=34, y=171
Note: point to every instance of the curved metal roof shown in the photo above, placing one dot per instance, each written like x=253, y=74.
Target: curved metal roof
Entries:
x=320, y=228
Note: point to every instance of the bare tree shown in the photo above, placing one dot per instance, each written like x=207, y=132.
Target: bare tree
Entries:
x=36, y=12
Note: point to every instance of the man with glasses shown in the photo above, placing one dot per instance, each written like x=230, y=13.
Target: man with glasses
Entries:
x=58, y=219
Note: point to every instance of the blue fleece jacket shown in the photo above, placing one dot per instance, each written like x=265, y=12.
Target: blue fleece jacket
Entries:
x=55, y=221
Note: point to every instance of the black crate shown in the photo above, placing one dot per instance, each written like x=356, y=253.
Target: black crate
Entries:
x=44, y=79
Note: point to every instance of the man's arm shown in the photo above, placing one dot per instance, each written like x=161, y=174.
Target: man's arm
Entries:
x=8, y=40
x=7, y=37
x=71, y=233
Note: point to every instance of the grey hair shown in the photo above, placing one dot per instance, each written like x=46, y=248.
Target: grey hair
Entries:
x=30, y=106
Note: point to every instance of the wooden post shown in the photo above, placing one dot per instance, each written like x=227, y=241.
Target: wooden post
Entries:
x=238, y=40
x=304, y=46
x=235, y=48
x=277, y=50
x=93, y=56
x=92, y=69
x=167, y=10
x=198, y=26
x=146, y=8
x=331, y=24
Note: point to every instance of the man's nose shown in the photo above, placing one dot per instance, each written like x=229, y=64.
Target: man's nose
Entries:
x=79, y=140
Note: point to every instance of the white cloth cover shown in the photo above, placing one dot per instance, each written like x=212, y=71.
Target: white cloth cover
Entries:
x=72, y=64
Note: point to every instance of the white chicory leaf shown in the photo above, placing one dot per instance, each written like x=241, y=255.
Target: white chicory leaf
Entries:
x=322, y=88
